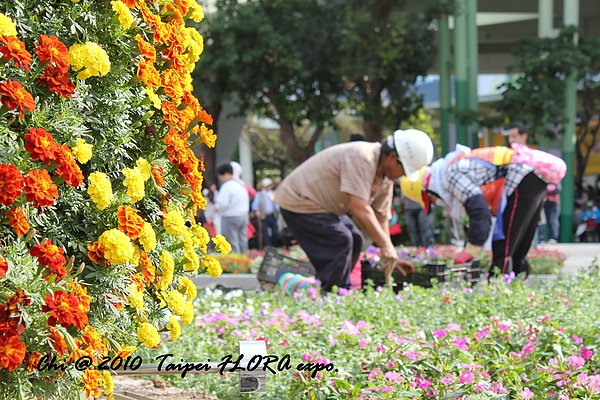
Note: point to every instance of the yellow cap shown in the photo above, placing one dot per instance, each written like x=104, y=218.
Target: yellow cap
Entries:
x=414, y=189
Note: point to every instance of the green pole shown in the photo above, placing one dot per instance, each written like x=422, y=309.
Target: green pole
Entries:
x=571, y=17
x=473, y=70
x=444, y=67
x=460, y=69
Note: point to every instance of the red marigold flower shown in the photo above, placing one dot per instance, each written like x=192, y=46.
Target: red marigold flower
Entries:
x=41, y=145
x=53, y=51
x=51, y=256
x=11, y=184
x=96, y=252
x=40, y=189
x=15, y=97
x=58, y=342
x=3, y=267
x=64, y=308
x=14, y=49
x=129, y=222
x=67, y=167
x=32, y=360
x=18, y=221
x=12, y=352
x=18, y=298
x=58, y=81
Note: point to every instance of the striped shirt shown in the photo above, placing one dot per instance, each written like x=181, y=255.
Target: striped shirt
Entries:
x=324, y=182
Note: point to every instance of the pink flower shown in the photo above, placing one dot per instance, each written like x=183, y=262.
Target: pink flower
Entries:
x=528, y=348
x=526, y=393
x=448, y=379
x=423, y=383
x=594, y=383
x=332, y=340
x=374, y=374
x=380, y=347
x=453, y=327
x=481, y=334
x=466, y=377
x=575, y=362
x=305, y=357
x=386, y=389
x=585, y=353
x=412, y=355
x=440, y=333
x=362, y=343
x=577, y=339
x=461, y=343
x=393, y=376
x=503, y=327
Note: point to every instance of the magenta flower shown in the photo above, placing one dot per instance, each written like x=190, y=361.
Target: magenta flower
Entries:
x=448, y=379
x=575, y=362
x=526, y=394
x=466, y=377
x=453, y=327
x=585, y=353
x=374, y=374
x=461, y=343
x=362, y=343
x=528, y=349
x=577, y=339
x=393, y=376
x=481, y=334
x=440, y=333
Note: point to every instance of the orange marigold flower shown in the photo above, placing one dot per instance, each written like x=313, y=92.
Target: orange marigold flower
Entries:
x=81, y=295
x=67, y=167
x=95, y=252
x=51, y=256
x=173, y=84
x=51, y=50
x=39, y=188
x=3, y=267
x=129, y=3
x=148, y=74
x=92, y=381
x=58, y=342
x=12, y=352
x=146, y=49
x=41, y=145
x=158, y=175
x=64, y=309
x=171, y=114
x=183, y=6
x=14, y=49
x=18, y=221
x=58, y=81
x=32, y=359
x=15, y=97
x=129, y=222
x=148, y=269
x=126, y=351
x=19, y=298
x=11, y=184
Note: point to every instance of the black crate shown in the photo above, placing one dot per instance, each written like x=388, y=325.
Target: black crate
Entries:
x=474, y=272
x=274, y=265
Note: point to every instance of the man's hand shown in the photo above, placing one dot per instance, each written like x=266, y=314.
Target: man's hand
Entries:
x=390, y=265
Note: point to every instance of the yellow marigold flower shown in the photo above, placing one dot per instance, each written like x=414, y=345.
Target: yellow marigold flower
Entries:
x=196, y=11
x=213, y=266
x=144, y=167
x=148, y=335
x=188, y=288
x=221, y=244
x=7, y=26
x=89, y=59
x=153, y=97
x=174, y=328
x=188, y=314
x=134, y=182
x=100, y=189
x=118, y=247
x=207, y=136
x=109, y=384
x=174, y=223
x=148, y=237
x=136, y=298
x=175, y=302
x=92, y=380
x=194, y=45
x=82, y=151
x=135, y=260
x=167, y=265
x=200, y=237
x=126, y=351
x=125, y=16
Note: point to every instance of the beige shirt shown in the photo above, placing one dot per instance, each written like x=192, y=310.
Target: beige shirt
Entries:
x=323, y=182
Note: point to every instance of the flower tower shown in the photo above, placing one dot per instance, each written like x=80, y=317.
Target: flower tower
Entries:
x=99, y=186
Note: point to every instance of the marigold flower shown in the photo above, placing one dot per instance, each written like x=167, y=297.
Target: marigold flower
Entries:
x=212, y=265
x=58, y=342
x=52, y=51
x=167, y=266
x=173, y=84
x=12, y=352
x=196, y=11
x=51, y=256
x=90, y=336
x=95, y=252
x=3, y=267
x=221, y=244
x=136, y=299
x=41, y=145
x=175, y=302
x=64, y=308
x=7, y=26
x=14, y=49
x=89, y=59
x=174, y=223
x=92, y=381
x=201, y=237
x=134, y=182
x=126, y=351
x=118, y=247
x=82, y=151
x=188, y=288
x=100, y=189
x=109, y=384
x=40, y=189
x=125, y=17
x=148, y=74
x=147, y=268
x=148, y=335
x=67, y=167
x=146, y=49
x=58, y=81
x=18, y=221
x=158, y=175
x=147, y=237
x=15, y=97
x=129, y=222
x=192, y=261
x=11, y=184
x=188, y=314
x=32, y=360
x=81, y=295
x=174, y=328
x=153, y=97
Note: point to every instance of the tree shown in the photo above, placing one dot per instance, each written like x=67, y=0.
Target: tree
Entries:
x=536, y=95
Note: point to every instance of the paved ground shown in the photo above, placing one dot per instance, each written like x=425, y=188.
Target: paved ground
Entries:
x=579, y=255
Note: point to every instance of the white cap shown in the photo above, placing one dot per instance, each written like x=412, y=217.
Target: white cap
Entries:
x=237, y=169
x=414, y=148
x=266, y=182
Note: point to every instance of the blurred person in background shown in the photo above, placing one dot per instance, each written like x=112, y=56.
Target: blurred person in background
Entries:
x=233, y=205
x=265, y=208
x=419, y=225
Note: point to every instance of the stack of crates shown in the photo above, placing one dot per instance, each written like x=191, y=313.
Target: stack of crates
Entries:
x=274, y=265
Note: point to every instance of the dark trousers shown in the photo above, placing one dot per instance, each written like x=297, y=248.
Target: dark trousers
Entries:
x=520, y=220
x=270, y=231
x=419, y=227
x=332, y=244
x=551, y=211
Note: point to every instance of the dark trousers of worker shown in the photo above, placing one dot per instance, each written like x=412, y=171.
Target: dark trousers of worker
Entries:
x=520, y=220
x=332, y=244
x=419, y=227
x=270, y=231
